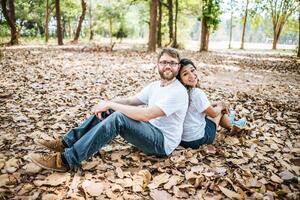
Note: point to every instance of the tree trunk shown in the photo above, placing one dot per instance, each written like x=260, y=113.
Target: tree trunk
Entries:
x=47, y=22
x=244, y=25
x=58, y=23
x=83, y=7
x=91, y=21
x=170, y=23
x=298, y=55
x=159, y=23
x=152, y=26
x=9, y=15
x=110, y=33
x=204, y=36
x=64, y=28
x=175, y=45
x=230, y=33
x=230, y=28
x=277, y=28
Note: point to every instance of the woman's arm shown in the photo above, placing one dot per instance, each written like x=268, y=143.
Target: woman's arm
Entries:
x=217, y=109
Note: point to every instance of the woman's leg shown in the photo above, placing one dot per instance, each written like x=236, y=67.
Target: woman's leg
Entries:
x=216, y=120
x=225, y=122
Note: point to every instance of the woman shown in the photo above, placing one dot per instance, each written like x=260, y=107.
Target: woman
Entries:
x=198, y=129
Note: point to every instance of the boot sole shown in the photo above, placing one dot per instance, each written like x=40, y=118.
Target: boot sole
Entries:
x=45, y=167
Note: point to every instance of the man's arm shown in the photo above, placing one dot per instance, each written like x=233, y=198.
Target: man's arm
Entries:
x=131, y=101
x=133, y=112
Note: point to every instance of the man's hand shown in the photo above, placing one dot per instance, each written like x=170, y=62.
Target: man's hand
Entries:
x=98, y=109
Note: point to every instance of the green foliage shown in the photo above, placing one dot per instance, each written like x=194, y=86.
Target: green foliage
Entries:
x=211, y=13
x=112, y=19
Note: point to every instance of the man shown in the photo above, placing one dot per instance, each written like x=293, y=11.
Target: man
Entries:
x=155, y=129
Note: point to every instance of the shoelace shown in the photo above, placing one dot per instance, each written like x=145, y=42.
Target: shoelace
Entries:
x=47, y=157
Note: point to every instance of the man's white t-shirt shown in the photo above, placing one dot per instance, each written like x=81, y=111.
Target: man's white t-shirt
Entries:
x=194, y=123
x=173, y=101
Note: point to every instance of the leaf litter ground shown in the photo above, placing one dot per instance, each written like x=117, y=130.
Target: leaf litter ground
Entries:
x=45, y=91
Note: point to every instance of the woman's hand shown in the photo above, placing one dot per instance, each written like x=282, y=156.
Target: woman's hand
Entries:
x=223, y=105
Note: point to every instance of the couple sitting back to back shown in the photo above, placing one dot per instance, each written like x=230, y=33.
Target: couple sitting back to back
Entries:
x=175, y=113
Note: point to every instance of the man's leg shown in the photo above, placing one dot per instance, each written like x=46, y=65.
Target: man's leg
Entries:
x=141, y=134
x=76, y=133
x=71, y=137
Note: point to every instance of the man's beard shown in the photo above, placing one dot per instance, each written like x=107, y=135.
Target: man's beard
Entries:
x=168, y=76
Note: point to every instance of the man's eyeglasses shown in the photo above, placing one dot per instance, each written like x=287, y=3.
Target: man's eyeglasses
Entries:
x=165, y=63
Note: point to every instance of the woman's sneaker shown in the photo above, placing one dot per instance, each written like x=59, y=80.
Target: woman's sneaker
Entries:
x=231, y=116
x=240, y=123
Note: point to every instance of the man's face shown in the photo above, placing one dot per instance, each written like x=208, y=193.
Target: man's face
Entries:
x=167, y=67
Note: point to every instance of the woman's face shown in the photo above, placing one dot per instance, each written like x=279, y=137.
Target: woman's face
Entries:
x=189, y=75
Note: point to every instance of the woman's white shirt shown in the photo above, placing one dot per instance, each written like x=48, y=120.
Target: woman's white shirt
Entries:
x=194, y=123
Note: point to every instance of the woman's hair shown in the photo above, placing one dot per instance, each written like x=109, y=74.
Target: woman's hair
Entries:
x=185, y=62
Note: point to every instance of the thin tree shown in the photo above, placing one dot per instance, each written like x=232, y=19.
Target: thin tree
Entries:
x=231, y=23
x=49, y=9
x=170, y=22
x=175, y=45
x=58, y=23
x=244, y=25
x=83, y=11
x=9, y=15
x=47, y=21
x=91, y=21
x=298, y=55
x=152, y=26
x=159, y=34
x=280, y=11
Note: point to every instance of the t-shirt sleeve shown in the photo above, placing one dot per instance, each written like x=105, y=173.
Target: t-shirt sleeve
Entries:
x=173, y=102
x=143, y=95
x=200, y=100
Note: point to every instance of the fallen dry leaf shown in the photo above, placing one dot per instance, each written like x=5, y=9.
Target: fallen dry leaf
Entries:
x=229, y=193
x=93, y=188
x=54, y=179
x=158, y=180
x=141, y=180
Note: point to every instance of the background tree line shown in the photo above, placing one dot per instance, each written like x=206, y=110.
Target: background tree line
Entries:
x=165, y=22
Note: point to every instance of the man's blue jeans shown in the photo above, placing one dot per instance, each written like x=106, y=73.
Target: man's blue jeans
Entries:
x=93, y=134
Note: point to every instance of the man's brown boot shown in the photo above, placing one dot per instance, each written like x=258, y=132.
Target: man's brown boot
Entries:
x=54, y=145
x=53, y=162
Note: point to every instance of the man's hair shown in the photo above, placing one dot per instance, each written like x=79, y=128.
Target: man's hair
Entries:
x=169, y=51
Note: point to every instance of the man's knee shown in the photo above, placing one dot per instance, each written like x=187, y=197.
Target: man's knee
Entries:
x=117, y=116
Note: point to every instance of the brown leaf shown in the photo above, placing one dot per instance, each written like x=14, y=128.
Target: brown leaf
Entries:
x=174, y=180
x=160, y=195
x=119, y=172
x=286, y=175
x=229, y=193
x=180, y=193
x=141, y=180
x=276, y=178
x=158, y=180
x=4, y=179
x=93, y=188
x=54, y=179
x=231, y=140
x=51, y=197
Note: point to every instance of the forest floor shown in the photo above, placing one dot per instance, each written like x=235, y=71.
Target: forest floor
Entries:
x=46, y=90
